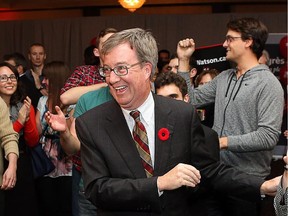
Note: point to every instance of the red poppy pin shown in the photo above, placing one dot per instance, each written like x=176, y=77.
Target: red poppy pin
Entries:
x=163, y=134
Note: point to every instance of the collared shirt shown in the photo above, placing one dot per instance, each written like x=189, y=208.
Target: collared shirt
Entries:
x=147, y=114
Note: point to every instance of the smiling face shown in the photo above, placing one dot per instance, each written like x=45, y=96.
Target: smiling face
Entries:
x=235, y=46
x=132, y=89
x=7, y=88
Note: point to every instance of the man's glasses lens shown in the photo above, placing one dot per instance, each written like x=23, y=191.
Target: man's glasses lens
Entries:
x=119, y=71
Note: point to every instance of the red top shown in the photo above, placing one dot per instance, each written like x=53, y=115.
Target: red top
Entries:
x=31, y=135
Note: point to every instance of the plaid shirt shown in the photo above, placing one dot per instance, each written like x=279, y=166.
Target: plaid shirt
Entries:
x=82, y=76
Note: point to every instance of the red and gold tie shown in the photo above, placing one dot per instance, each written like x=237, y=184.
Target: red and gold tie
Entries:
x=141, y=141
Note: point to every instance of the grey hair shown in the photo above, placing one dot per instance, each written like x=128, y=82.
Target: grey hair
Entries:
x=141, y=40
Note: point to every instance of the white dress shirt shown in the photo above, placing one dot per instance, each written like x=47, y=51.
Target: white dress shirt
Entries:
x=147, y=114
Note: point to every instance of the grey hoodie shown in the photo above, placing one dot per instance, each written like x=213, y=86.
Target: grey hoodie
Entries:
x=249, y=112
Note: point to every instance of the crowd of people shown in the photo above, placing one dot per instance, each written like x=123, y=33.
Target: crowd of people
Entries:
x=137, y=131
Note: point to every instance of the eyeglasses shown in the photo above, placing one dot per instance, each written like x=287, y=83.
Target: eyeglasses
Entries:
x=5, y=78
x=230, y=39
x=120, y=70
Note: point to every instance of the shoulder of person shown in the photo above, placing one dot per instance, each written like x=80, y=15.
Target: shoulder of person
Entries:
x=86, y=68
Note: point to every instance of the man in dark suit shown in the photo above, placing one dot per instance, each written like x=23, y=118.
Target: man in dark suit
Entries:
x=114, y=176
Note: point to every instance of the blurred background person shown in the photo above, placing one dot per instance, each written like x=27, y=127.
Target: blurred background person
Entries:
x=264, y=58
x=54, y=189
x=163, y=55
x=206, y=112
x=36, y=57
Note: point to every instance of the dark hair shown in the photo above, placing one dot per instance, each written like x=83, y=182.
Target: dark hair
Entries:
x=174, y=55
x=164, y=51
x=18, y=58
x=104, y=32
x=168, y=78
x=57, y=72
x=89, y=57
x=18, y=95
x=212, y=72
x=192, y=62
x=161, y=64
x=36, y=44
x=251, y=28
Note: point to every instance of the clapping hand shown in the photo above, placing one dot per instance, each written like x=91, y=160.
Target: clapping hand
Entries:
x=24, y=111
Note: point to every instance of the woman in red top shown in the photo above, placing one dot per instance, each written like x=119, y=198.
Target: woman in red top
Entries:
x=21, y=200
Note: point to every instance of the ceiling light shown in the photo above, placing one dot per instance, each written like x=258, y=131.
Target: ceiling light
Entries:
x=132, y=5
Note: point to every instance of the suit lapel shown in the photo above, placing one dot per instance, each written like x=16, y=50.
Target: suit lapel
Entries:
x=121, y=137
x=163, y=119
x=122, y=140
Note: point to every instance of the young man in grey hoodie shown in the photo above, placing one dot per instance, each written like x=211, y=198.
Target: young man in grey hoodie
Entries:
x=248, y=101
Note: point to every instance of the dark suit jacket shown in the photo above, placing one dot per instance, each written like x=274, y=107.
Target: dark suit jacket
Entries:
x=114, y=177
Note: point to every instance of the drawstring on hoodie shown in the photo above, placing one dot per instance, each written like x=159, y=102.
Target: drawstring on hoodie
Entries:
x=240, y=85
x=226, y=94
x=230, y=81
x=229, y=85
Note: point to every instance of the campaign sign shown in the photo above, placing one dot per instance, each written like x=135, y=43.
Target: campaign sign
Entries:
x=211, y=57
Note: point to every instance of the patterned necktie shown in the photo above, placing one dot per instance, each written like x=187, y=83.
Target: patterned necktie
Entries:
x=141, y=141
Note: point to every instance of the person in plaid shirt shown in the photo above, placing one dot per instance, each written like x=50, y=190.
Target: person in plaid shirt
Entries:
x=85, y=78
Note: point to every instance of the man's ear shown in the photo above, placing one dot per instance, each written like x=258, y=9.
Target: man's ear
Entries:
x=193, y=72
x=186, y=98
x=249, y=42
x=148, y=69
x=96, y=52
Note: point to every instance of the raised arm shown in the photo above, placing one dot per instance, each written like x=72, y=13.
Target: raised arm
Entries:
x=72, y=95
x=81, y=79
x=185, y=49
